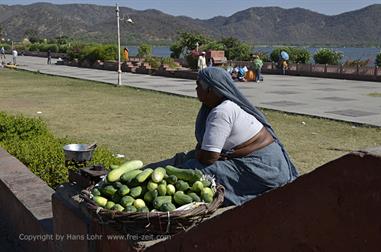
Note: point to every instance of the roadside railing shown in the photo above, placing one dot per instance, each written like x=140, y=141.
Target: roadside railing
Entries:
x=320, y=70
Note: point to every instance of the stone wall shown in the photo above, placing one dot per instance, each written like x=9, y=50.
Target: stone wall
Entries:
x=336, y=207
x=25, y=205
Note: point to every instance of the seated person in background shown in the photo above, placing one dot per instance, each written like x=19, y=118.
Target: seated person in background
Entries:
x=235, y=143
x=233, y=72
x=241, y=73
x=229, y=69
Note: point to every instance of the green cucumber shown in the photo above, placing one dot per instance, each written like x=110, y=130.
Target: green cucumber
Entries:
x=172, y=179
x=150, y=196
x=127, y=177
x=171, y=189
x=114, y=175
x=144, y=175
x=139, y=203
x=158, y=174
x=167, y=207
x=109, y=205
x=131, y=209
x=100, y=201
x=207, y=194
x=194, y=196
x=123, y=190
x=117, y=207
x=160, y=200
x=181, y=185
x=184, y=174
x=136, y=191
x=162, y=189
x=182, y=199
x=197, y=186
x=152, y=185
x=108, y=191
x=95, y=192
x=143, y=210
x=127, y=201
x=117, y=184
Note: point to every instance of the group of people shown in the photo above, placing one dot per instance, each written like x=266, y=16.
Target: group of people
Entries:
x=3, y=56
x=240, y=72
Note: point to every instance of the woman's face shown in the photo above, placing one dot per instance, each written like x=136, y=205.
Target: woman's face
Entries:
x=201, y=93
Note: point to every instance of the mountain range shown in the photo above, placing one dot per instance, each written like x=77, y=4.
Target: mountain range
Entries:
x=256, y=26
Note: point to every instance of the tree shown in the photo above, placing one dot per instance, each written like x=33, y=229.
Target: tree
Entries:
x=235, y=49
x=378, y=60
x=145, y=50
x=186, y=42
x=213, y=45
x=300, y=55
x=328, y=56
x=297, y=55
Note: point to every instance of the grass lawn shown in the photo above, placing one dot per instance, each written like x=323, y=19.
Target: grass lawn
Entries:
x=151, y=126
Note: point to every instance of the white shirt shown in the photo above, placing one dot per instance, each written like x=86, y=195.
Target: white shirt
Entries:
x=14, y=53
x=228, y=126
x=201, y=64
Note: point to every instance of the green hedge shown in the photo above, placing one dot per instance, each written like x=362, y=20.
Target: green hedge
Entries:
x=328, y=56
x=30, y=141
x=297, y=55
x=92, y=52
x=42, y=47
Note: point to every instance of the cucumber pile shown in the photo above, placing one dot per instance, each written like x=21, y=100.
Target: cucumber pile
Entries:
x=130, y=188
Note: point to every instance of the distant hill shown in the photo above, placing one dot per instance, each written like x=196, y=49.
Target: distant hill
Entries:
x=257, y=26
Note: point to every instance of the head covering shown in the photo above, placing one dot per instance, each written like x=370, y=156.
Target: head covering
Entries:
x=221, y=81
x=203, y=53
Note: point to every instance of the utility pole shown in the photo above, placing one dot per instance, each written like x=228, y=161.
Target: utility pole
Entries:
x=119, y=70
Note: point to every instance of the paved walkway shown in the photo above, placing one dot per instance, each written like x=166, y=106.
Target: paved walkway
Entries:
x=345, y=100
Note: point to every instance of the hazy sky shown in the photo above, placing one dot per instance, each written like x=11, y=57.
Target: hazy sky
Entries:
x=210, y=8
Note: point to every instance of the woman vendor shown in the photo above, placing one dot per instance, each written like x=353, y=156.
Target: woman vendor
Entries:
x=235, y=143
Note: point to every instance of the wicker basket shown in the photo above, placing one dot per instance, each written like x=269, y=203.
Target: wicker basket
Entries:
x=152, y=222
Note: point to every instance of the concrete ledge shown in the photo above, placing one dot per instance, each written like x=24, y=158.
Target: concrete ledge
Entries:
x=334, y=208
x=25, y=204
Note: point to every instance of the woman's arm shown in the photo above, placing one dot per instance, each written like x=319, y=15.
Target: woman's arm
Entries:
x=207, y=157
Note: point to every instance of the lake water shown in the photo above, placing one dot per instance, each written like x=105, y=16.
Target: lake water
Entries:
x=349, y=53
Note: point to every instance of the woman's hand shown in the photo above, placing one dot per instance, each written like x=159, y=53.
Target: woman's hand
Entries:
x=207, y=157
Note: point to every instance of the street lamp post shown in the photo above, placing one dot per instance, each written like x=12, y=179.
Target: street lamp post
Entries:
x=119, y=70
